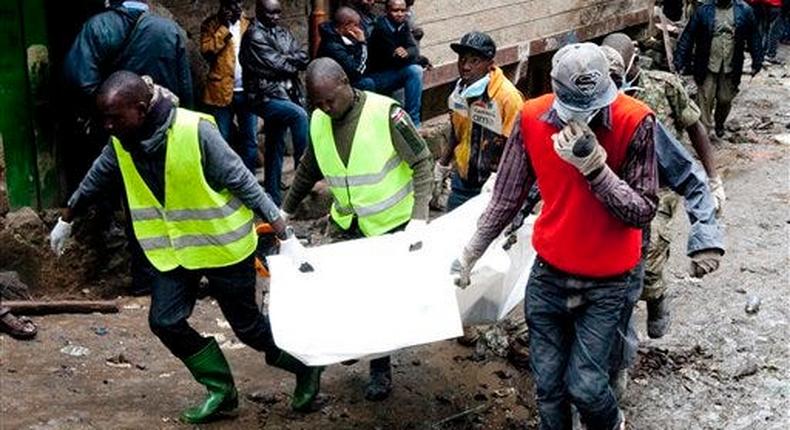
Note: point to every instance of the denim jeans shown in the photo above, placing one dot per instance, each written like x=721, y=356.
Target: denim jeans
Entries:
x=173, y=296
x=460, y=192
x=388, y=81
x=768, y=22
x=247, y=144
x=572, y=325
x=279, y=116
x=626, y=343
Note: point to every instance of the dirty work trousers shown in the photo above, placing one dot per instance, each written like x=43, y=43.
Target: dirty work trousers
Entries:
x=715, y=97
x=657, y=253
x=173, y=296
x=572, y=326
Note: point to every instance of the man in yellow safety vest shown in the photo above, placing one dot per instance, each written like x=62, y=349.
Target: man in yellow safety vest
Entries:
x=378, y=168
x=191, y=203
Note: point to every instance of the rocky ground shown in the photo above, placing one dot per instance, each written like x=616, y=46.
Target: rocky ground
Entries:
x=719, y=368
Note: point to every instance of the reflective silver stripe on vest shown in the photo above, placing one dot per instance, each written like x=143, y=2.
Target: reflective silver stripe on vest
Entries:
x=378, y=207
x=368, y=179
x=187, y=214
x=159, y=242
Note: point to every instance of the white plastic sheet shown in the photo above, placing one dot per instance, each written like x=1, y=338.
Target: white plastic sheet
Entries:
x=372, y=296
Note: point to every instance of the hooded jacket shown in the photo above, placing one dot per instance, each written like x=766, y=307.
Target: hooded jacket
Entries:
x=222, y=168
x=130, y=39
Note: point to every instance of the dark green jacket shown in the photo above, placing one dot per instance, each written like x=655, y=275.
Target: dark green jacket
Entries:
x=130, y=39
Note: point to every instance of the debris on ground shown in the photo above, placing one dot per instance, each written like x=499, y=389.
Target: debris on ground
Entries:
x=75, y=350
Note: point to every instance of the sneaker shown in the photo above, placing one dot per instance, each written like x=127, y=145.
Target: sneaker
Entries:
x=658, y=317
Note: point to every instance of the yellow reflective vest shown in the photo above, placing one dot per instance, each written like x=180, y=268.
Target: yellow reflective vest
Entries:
x=196, y=227
x=376, y=186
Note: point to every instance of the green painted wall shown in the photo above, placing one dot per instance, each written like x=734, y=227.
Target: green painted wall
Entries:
x=16, y=131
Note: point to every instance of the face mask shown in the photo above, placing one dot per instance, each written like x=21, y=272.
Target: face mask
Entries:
x=567, y=115
x=629, y=85
x=477, y=88
x=457, y=102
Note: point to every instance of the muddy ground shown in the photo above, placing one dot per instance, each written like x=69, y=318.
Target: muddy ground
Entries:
x=719, y=368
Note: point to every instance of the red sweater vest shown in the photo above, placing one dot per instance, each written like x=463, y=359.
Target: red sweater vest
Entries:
x=575, y=232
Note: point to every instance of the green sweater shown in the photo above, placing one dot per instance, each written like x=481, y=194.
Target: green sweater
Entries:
x=408, y=144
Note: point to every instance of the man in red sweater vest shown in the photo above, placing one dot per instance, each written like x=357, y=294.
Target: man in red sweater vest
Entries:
x=590, y=150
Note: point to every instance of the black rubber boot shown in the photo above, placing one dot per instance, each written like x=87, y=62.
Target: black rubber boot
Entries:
x=210, y=368
x=380, y=385
x=308, y=380
x=658, y=317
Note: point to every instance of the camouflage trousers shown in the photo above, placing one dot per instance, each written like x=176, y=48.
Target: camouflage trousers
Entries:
x=658, y=250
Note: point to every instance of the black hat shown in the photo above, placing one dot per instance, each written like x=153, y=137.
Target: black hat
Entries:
x=477, y=42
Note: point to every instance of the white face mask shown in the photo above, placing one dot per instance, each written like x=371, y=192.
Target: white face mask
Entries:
x=567, y=115
x=458, y=98
x=629, y=85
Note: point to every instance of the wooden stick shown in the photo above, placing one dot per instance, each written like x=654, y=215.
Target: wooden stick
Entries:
x=25, y=307
x=667, y=41
x=478, y=408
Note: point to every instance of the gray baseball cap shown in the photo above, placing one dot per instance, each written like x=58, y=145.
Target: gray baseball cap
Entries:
x=580, y=78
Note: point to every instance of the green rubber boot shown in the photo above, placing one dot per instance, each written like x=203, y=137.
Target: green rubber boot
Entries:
x=210, y=368
x=308, y=381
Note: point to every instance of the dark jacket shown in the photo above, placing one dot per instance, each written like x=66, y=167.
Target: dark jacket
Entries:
x=133, y=40
x=351, y=57
x=386, y=37
x=695, y=41
x=271, y=59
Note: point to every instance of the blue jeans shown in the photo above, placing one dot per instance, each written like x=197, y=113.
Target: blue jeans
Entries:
x=460, y=193
x=572, y=325
x=626, y=343
x=279, y=116
x=388, y=81
x=247, y=144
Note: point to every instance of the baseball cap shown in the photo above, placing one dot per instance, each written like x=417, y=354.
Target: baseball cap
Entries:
x=477, y=42
x=580, y=78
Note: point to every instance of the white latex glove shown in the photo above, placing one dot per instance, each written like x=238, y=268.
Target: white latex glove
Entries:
x=415, y=230
x=285, y=215
x=488, y=187
x=717, y=189
x=462, y=266
x=440, y=176
x=440, y=172
x=58, y=236
x=294, y=250
x=574, y=136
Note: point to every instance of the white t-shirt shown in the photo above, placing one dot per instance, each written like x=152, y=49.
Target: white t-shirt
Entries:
x=235, y=31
